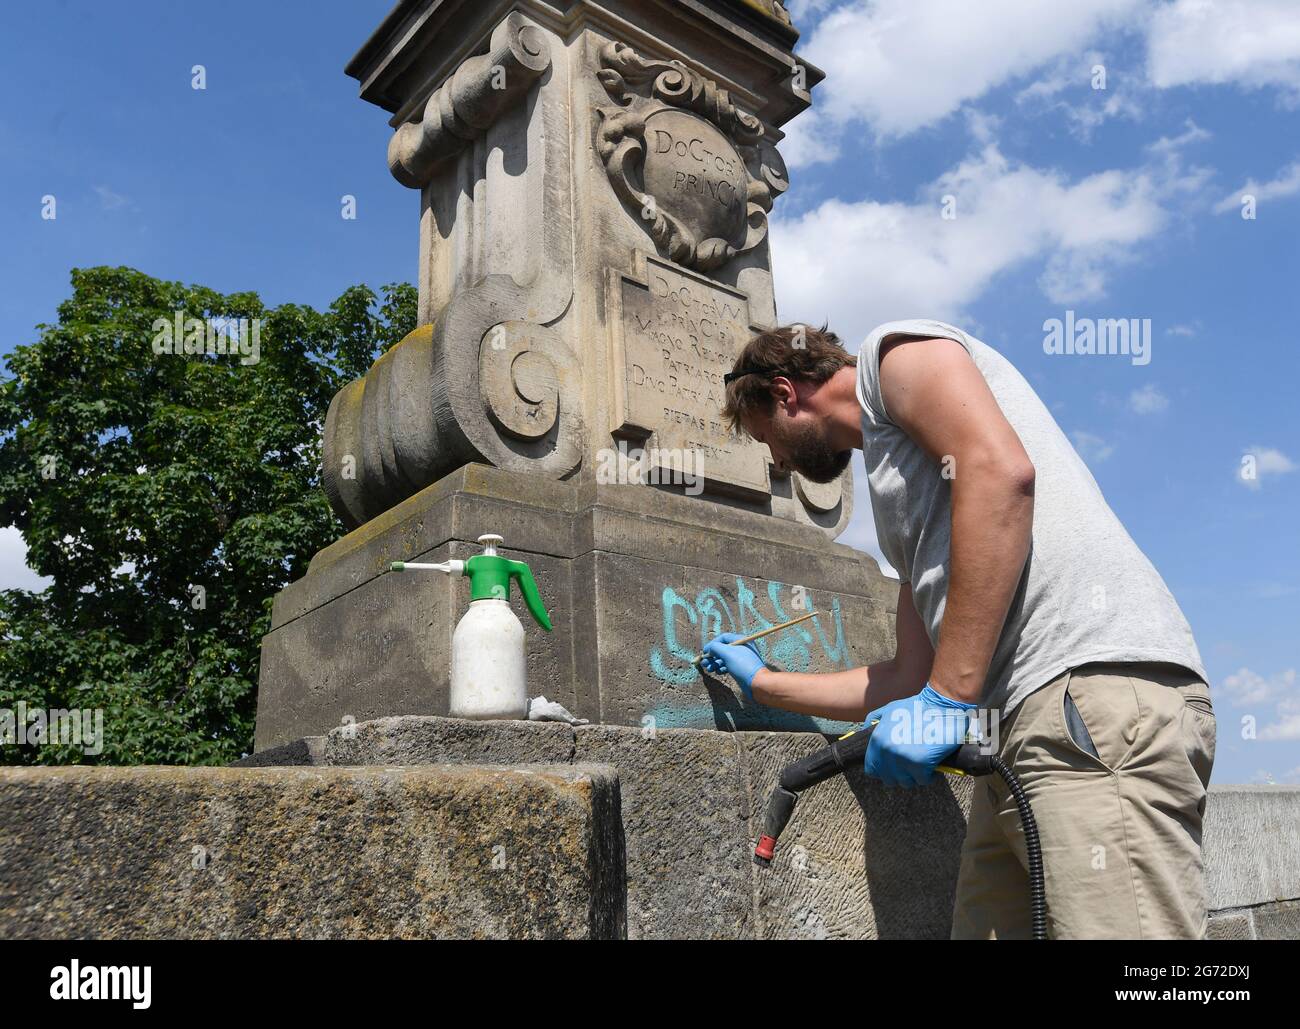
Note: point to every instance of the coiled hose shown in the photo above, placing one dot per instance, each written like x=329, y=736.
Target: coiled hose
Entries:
x=1033, y=849
x=850, y=750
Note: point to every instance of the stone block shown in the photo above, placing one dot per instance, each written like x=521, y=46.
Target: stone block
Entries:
x=435, y=852
x=1249, y=843
x=1280, y=921
x=858, y=861
x=686, y=826
x=1230, y=925
x=635, y=585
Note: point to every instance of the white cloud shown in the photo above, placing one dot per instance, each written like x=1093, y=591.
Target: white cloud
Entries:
x=1251, y=43
x=1170, y=145
x=109, y=200
x=866, y=262
x=1257, y=462
x=898, y=65
x=1148, y=400
x=1245, y=688
x=808, y=141
x=14, y=573
x=1285, y=728
x=802, y=8
x=1091, y=447
x=1286, y=184
x=1068, y=87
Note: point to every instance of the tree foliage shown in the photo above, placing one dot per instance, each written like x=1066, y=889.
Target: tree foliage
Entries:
x=169, y=497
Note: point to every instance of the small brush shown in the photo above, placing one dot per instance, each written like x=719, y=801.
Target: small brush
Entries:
x=761, y=633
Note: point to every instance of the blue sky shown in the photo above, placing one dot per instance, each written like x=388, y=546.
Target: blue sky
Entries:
x=1114, y=202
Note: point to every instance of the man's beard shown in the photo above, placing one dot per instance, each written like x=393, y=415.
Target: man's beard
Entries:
x=813, y=456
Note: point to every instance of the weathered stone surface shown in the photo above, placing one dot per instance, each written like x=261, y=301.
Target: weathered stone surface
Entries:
x=858, y=860
x=701, y=172
x=422, y=741
x=430, y=852
x=1249, y=845
x=607, y=142
x=673, y=337
x=692, y=805
x=851, y=843
x=685, y=808
x=1280, y=921
x=1230, y=926
x=352, y=642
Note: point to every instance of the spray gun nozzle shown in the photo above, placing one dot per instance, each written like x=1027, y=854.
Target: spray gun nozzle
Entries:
x=450, y=567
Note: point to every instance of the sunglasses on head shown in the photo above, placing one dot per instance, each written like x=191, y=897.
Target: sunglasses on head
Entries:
x=726, y=379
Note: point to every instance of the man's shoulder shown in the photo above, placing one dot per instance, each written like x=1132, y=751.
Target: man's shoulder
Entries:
x=887, y=336
x=931, y=328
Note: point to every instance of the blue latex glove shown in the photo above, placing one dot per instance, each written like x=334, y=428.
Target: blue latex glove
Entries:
x=915, y=734
x=742, y=662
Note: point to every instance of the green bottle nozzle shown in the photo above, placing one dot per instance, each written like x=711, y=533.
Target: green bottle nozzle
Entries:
x=489, y=577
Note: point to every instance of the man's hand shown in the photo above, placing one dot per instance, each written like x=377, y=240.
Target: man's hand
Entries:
x=915, y=734
x=742, y=662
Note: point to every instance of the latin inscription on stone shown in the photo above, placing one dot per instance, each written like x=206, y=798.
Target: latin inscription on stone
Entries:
x=695, y=173
x=675, y=335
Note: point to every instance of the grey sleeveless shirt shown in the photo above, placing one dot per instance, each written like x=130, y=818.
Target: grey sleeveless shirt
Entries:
x=1087, y=594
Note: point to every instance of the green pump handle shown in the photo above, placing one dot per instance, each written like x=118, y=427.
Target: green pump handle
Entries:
x=489, y=579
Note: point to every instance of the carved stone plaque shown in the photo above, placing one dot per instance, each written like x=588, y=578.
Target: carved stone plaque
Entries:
x=696, y=170
x=674, y=334
x=693, y=171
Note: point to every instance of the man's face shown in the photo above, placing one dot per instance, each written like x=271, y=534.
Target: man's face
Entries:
x=800, y=443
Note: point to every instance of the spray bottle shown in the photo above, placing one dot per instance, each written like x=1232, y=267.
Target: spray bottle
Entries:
x=488, y=676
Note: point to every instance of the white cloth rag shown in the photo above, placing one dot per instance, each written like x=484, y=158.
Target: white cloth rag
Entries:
x=542, y=710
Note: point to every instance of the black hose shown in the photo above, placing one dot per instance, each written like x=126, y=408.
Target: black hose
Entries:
x=848, y=751
x=1033, y=850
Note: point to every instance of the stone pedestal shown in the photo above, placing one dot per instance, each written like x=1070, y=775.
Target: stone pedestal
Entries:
x=858, y=860
x=594, y=182
x=636, y=581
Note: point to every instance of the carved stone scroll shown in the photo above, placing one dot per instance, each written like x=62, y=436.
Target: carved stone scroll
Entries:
x=464, y=107
x=490, y=379
x=693, y=167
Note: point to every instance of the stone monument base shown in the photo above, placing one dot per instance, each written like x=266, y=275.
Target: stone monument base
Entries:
x=434, y=852
x=859, y=860
x=636, y=580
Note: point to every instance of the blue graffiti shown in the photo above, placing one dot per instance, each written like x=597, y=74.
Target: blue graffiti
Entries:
x=750, y=717
x=671, y=661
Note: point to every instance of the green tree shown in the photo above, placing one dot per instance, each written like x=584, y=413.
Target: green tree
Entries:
x=168, y=496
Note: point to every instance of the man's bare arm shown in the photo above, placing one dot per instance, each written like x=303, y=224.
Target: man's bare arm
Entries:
x=933, y=392
x=848, y=696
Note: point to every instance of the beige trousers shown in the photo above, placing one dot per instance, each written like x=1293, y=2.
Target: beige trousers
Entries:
x=1115, y=759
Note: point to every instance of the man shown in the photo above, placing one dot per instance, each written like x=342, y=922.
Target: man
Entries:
x=1023, y=597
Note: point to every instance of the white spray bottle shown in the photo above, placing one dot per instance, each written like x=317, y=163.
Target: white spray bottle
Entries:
x=488, y=674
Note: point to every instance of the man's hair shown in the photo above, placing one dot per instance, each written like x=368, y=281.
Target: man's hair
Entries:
x=795, y=351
